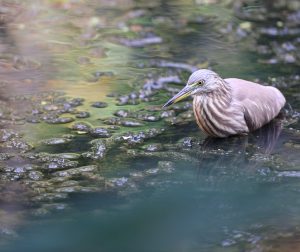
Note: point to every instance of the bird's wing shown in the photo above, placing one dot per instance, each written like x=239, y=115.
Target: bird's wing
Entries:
x=260, y=103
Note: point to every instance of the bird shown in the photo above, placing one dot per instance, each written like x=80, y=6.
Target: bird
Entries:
x=231, y=106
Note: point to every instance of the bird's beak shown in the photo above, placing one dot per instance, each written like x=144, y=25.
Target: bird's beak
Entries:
x=185, y=92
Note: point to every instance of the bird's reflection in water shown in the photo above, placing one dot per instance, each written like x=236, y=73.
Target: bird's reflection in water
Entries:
x=264, y=138
x=239, y=152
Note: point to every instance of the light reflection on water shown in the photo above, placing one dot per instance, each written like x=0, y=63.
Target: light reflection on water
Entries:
x=218, y=201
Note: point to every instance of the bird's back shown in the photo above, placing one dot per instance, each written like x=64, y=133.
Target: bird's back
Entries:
x=260, y=103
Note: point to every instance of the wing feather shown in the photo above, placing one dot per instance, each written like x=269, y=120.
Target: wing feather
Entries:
x=260, y=103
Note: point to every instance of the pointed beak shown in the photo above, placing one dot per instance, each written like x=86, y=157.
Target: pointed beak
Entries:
x=185, y=92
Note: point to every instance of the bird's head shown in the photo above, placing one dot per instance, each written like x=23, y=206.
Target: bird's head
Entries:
x=200, y=82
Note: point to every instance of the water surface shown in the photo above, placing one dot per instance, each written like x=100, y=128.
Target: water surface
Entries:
x=163, y=185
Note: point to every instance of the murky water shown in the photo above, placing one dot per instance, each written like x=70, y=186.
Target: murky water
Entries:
x=90, y=162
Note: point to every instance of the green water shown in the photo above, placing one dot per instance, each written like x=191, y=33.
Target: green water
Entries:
x=236, y=194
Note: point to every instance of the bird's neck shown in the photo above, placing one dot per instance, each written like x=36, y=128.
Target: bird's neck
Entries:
x=222, y=93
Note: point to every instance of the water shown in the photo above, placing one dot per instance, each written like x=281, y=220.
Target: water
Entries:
x=191, y=194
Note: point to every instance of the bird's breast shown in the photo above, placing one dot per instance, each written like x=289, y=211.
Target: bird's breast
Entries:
x=218, y=117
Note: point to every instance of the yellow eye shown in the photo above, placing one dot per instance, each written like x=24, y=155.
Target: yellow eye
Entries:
x=200, y=83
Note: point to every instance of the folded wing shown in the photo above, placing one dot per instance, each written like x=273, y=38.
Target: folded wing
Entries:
x=260, y=103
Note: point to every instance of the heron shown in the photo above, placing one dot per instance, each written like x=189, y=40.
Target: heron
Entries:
x=225, y=107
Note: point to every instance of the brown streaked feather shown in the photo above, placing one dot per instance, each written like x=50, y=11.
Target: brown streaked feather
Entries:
x=199, y=118
x=260, y=103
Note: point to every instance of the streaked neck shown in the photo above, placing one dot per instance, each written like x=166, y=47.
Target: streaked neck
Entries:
x=222, y=93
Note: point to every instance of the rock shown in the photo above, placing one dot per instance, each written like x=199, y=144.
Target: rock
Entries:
x=148, y=117
x=48, y=197
x=99, y=149
x=59, y=120
x=75, y=102
x=76, y=171
x=167, y=113
x=81, y=126
x=134, y=138
x=18, y=144
x=82, y=114
x=100, y=132
x=152, y=171
x=33, y=119
x=99, y=104
x=122, y=121
x=7, y=134
x=131, y=123
x=35, y=175
x=166, y=166
x=127, y=100
x=56, y=141
x=112, y=121
x=50, y=107
x=60, y=164
x=153, y=147
x=5, y=156
x=122, y=113
x=187, y=142
x=137, y=175
x=120, y=182
x=70, y=156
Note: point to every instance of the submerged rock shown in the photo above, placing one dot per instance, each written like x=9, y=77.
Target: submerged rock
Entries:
x=167, y=113
x=82, y=114
x=35, y=175
x=100, y=132
x=56, y=141
x=60, y=164
x=131, y=123
x=152, y=171
x=18, y=144
x=70, y=156
x=187, y=142
x=123, y=113
x=138, y=137
x=98, y=150
x=59, y=120
x=5, y=156
x=7, y=134
x=76, y=171
x=119, y=182
x=123, y=122
x=99, y=104
x=148, y=117
x=153, y=147
x=33, y=119
x=166, y=166
x=81, y=126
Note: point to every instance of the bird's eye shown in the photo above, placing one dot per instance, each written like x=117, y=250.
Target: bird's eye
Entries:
x=200, y=82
